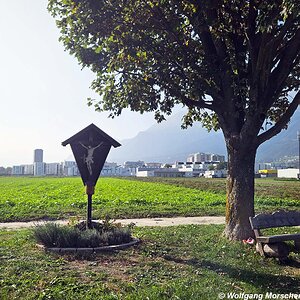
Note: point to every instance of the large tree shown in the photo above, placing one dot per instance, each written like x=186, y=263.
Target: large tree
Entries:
x=233, y=64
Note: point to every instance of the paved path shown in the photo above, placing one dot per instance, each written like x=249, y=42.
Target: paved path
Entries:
x=138, y=222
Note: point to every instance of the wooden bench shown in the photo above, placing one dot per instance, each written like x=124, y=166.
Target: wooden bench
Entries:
x=275, y=220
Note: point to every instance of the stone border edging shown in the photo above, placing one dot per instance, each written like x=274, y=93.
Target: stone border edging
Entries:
x=90, y=250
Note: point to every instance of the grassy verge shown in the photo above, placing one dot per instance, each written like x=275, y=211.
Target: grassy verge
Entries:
x=54, y=198
x=185, y=262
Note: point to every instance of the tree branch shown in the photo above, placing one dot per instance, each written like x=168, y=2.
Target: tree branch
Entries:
x=193, y=103
x=175, y=92
x=282, y=121
x=283, y=69
x=283, y=31
x=250, y=34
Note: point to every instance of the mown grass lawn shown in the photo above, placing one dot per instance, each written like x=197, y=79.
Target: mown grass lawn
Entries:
x=184, y=262
x=35, y=198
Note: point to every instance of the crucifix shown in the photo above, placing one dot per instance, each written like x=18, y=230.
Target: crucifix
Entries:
x=90, y=147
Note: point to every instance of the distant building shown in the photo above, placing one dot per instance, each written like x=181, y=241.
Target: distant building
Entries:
x=194, y=169
x=52, y=169
x=8, y=171
x=268, y=173
x=153, y=165
x=205, y=157
x=168, y=172
x=217, y=158
x=2, y=171
x=288, y=173
x=122, y=171
x=130, y=167
x=69, y=168
x=263, y=166
x=181, y=169
x=109, y=169
x=161, y=172
x=215, y=173
x=178, y=164
x=17, y=170
x=39, y=168
x=38, y=156
x=134, y=164
x=5, y=171
x=38, y=164
x=190, y=158
x=28, y=169
x=202, y=157
x=145, y=173
x=286, y=162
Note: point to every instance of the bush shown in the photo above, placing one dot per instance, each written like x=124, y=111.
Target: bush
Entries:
x=54, y=235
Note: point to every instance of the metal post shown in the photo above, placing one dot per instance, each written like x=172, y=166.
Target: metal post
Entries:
x=90, y=191
x=89, y=212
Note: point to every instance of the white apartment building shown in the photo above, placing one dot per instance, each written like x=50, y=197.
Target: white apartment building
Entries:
x=52, y=169
x=69, y=168
x=194, y=169
x=109, y=169
x=288, y=173
x=133, y=164
x=28, y=169
x=153, y=165
x=205, y=157
x=122, y=171
x=23, y=170
x=17, y=170
x=190, y=158
x=215, y=173
x=201, y=157
x=145, y=173
x=38, y=155
x=39, y=169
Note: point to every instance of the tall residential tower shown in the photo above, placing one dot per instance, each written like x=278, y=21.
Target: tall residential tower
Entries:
x=39, y=166
x=38, y=155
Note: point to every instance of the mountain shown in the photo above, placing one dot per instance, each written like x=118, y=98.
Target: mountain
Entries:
x=283, y=144
x=167, y=142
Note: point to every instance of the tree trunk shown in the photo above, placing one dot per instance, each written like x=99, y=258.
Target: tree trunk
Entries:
x=240, y=191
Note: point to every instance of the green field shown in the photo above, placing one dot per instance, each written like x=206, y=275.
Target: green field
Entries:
x=182, y=262
x=53, y=198
x=264, y=187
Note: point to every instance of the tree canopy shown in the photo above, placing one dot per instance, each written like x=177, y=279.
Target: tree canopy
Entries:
x=234, y=65
x=224, y=57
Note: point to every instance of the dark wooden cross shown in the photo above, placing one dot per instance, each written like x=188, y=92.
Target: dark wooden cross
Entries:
x=90, y=147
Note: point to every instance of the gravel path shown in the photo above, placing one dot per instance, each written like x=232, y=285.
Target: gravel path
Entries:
x=138, y=222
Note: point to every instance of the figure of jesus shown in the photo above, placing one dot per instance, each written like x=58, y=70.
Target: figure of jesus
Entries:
x=89, y=159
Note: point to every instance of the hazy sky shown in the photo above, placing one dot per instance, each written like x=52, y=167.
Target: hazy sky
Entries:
x=43, y=90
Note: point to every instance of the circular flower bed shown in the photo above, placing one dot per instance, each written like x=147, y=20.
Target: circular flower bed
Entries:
x=102, y=236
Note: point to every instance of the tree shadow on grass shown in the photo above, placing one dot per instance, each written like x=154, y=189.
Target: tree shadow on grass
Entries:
x=266, y=281
x=293, y=263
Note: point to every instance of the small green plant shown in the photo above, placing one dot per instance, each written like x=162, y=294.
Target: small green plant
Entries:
x=108, y=223
x=54, y=235
x=73, y=220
